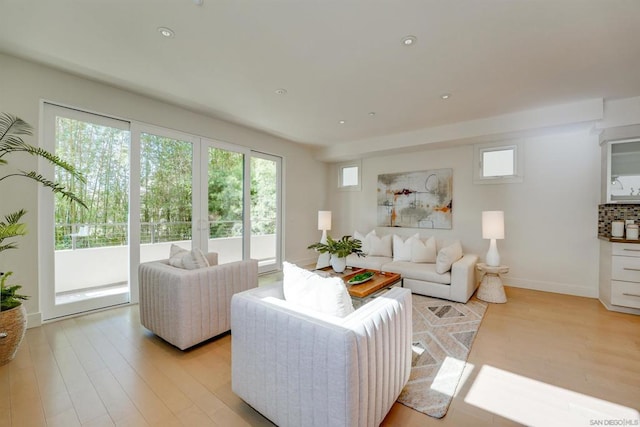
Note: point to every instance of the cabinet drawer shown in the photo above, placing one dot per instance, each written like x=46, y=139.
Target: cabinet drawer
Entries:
x=625, y=268
x=625, y=294
x=626, y=249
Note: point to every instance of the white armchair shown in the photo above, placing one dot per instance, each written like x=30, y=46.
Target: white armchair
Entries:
x=298, y=368
x=186, y=307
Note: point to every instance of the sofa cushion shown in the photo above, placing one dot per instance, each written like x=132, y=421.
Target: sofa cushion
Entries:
x=423, y=251
x=366, y=240
x=447, y=256
x=418, y=271
x=189, y=260
x=369, y=261
x=325, y=295
x=402, y=248
x=380, y=246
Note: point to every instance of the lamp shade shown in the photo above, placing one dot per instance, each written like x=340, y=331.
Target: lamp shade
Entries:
x=324, y=220
x=493, y=225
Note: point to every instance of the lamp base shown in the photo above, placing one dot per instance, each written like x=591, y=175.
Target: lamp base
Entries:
x=493, y=257
x=323, y=259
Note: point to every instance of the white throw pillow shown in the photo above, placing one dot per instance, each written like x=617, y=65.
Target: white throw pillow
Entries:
x=189, y=260
x=447, y=256
x=365, y=240
x=402, y=250
x=380, y=246
x=307, y=289
x=423, y=251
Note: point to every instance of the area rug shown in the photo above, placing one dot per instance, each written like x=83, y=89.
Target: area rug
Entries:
x=443, y=332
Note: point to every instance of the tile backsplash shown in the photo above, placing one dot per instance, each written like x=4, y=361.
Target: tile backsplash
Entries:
x=613, y=211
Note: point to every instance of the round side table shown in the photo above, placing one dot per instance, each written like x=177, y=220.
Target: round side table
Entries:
x=491, y=288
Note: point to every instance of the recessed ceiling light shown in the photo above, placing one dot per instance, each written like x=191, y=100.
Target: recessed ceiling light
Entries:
x=166, y=32
x=342, y=122
x=372, y=114
x=198, y=2
x=281, y=91
x=445, y=96
x=409, y=40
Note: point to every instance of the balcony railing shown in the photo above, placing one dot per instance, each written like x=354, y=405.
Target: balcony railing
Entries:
x=101, y=258
x=99, y=235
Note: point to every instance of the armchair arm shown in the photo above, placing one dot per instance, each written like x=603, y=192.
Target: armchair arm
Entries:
x=463, y=278
x=300, y=370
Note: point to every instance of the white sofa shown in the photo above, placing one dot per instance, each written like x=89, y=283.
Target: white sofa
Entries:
x=186, y=307
x=457, y=284
x=298, y=367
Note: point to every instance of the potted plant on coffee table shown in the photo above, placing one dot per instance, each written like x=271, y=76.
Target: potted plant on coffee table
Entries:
x=13, y=316
x=339, y=249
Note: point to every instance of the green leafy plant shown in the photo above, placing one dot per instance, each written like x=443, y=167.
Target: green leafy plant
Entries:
x=12, y=129
x=9, y=298
x=340, y=248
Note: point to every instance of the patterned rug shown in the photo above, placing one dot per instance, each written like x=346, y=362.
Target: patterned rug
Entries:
x=443, y=332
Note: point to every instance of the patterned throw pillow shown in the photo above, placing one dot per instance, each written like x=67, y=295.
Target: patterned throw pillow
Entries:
x=189, y=260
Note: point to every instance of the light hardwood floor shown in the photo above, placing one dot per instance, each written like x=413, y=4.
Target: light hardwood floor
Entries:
x=535, y=358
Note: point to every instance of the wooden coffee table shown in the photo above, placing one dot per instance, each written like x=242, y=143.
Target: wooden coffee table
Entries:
x=371, y=288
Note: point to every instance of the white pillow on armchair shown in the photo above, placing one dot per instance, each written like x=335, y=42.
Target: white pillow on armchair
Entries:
x=306, y=289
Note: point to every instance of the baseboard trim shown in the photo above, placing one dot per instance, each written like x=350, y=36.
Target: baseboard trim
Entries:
x=558, y=288
x=34, y=320
x=620, y=309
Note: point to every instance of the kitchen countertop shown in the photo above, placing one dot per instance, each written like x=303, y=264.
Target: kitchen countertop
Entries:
x=618, y=239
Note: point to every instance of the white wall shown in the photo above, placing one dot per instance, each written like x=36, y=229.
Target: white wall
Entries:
x=550, y=219
x=22, y=86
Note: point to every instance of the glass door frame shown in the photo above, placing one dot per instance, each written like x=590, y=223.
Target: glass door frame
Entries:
x=46, y=221
x=203, y=221
x=137, y=129
x=279, y=211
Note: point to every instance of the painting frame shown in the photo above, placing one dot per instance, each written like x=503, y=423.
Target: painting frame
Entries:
x=417, y=199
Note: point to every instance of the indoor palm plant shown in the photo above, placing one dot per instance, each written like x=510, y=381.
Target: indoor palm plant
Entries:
x=13, y=319
x=339, y=249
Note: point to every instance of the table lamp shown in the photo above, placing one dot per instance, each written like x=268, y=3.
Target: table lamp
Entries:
x=324, y=224
x=493, y=228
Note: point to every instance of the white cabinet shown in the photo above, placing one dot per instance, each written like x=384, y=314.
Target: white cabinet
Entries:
x=620, y=276
x=621, y=165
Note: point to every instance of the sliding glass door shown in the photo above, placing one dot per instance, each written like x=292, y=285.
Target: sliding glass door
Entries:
x=147, y=188
x=224, y=226
x=88, y=252
x=166, y=193
x=265, y=210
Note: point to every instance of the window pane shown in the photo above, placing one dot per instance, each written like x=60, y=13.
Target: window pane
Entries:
x=90, y=244
x=349, y=176
x=264, y=210
x=165, y=195
x=226, y=204
x=498, y=163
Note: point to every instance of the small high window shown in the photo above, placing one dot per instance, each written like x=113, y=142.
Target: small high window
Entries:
x=497, y=164
x=349, y=176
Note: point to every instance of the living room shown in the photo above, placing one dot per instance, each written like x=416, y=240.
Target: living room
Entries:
x=551, y=218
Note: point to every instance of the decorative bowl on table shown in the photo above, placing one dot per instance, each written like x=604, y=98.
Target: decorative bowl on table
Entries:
x=361, y=278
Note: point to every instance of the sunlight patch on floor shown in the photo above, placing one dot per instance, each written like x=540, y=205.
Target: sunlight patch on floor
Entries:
x=535, y=403
x=449, y=379
x=89, y=293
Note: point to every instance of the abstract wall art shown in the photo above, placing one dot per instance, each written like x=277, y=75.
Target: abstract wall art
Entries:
x=420, y=199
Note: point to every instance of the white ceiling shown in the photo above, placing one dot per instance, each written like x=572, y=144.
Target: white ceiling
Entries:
x=340, y=59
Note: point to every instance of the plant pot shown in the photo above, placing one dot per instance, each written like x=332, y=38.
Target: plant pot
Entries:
x=13, y=324
x=338, y=264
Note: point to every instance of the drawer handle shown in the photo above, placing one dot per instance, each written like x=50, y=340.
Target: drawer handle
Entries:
x=631, y=269
x=630, y=295
x=631, y=250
